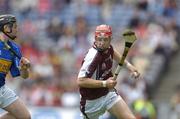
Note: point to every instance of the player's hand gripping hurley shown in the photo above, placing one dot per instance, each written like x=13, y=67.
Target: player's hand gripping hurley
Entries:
x=129, y=37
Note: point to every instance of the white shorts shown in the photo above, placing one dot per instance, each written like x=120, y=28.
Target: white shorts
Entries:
x=7, y=96
x=97, y=107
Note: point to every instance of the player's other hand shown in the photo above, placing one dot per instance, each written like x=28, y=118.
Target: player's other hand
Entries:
x=24, y=63
x=111, y=83
x=135, y=74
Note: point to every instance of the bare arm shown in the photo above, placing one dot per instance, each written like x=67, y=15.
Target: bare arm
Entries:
x=89, y=83
x=92, y=83
x=117, y=57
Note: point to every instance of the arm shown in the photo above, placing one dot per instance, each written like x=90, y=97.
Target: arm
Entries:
x=92, y=83
x=89, y=83
x=133, y=69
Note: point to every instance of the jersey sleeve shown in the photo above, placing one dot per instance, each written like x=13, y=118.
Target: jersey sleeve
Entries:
x=14, y=70
x=89, y=64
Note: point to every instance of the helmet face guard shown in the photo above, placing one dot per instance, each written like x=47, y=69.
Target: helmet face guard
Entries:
x=103, y=31
x=7, y=20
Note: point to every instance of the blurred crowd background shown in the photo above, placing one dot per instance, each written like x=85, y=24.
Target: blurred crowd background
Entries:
x=55, y=35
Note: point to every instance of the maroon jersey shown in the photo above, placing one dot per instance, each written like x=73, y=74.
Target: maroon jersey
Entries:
x=96, y=65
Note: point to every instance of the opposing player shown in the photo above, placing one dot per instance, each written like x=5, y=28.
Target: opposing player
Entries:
x=16, y=65
x=96, y=82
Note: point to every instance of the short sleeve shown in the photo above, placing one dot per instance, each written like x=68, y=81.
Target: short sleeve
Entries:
x=14, y=70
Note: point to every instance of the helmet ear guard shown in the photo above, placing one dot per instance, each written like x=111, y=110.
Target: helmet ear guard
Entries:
x=8, y=28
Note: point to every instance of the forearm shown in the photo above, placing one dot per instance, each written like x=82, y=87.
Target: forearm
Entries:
x=130, y=66
x=117, y=58
x=90, y=83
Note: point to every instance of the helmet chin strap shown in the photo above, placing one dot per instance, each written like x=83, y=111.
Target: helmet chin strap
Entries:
x=11, y=37
x=100, y=49
x=8, y=32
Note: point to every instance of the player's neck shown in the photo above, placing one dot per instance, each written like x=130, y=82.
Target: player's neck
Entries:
x=4, y=37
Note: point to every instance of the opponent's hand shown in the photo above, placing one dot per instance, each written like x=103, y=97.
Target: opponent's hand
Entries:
x=24, y=63
x=111, y=83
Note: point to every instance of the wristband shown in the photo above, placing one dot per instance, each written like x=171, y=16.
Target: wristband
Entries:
x=104, y=83
x=128, y=64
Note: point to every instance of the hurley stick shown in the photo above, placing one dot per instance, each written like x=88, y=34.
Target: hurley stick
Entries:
x=129, y=37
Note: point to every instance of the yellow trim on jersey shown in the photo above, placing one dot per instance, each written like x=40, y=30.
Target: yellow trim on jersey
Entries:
x=5, y=65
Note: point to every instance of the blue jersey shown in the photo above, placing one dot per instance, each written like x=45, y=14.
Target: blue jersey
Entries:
x=8, y=61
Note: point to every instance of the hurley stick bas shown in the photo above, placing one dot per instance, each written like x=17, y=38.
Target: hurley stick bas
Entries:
x=129, y=37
